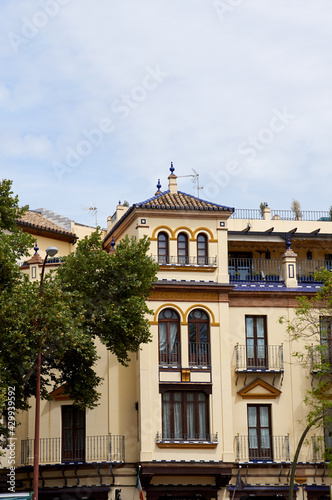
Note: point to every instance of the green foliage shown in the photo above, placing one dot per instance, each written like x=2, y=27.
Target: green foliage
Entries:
x=93, y=297
x=14, y=243
x=315, y=350
x=262, y=206
x=114, y=289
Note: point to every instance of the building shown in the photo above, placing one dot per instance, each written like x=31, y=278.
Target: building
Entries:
x=213, y=406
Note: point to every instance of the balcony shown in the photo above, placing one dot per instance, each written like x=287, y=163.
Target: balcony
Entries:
x=170, y=354
x=306, y=269
x=254, y=269
x=306, y=215
x=109, y=448
x=201, y=440
x=321, y=448
x=259, y=358
x=199, y=354
x=262, y=449
x=174, y=260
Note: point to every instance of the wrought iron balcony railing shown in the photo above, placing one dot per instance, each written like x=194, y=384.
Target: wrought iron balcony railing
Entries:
x=170, y=354
x=199, y=354
x=306, y=268
x=254, y=269
x=321, y=448
x=262, y=448
x=168, y=260
x=306, y=215
x=109, y=448
x=258, y=358
x=187, y=438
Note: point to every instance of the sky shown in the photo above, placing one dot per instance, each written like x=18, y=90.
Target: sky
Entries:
x=98, y=97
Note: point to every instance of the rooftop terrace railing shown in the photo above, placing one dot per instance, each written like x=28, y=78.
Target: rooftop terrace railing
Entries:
x=306, y=268
x=255, y=269
x=306, y=215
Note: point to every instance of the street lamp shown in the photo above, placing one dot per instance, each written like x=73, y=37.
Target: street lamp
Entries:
x=50, y=252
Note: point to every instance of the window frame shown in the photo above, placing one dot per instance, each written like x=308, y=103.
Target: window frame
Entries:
x=182, y=251
x=71, y=434
x=198, y=351
x=256, y=361
x=163, y=258
x=204, y=258
x=171, y=358
x=262, y=453
x=326, y=356
x=185, y=404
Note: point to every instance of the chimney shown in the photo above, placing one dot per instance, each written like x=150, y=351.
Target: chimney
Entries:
x=172, y=185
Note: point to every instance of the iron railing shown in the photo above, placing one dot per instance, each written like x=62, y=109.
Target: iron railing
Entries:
x=253, y=358
x=254, y=269
x=306, y=215
x=170, y=354
x=109, y=448
x=306, y=268
x=180, y=437
x=199, y=354
x=258, y=448
x=321, y=448
x=194, y=260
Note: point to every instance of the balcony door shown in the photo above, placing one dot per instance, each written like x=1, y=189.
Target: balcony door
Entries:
x=256, y=342
x=259, y=432
x=73, y=434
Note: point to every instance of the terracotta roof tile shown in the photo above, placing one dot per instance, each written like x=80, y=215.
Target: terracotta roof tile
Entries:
x=36, y=220
x=180, y=201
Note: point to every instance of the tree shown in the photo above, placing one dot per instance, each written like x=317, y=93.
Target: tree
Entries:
x=312, y=328
x=93, y=297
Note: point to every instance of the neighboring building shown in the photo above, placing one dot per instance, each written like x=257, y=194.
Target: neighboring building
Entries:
x=212, y=407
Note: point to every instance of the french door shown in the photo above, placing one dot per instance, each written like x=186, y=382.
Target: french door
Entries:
x=259, y=432
x=73, y=434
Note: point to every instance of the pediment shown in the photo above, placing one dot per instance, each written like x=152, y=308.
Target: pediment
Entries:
x=259, y=389
x=59, y=394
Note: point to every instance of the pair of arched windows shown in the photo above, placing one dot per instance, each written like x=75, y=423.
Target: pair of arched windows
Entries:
x=198, y=338
x=182, y=250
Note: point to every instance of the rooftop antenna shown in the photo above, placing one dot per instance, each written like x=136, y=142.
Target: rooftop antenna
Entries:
x=195, y=180
x=93, y=210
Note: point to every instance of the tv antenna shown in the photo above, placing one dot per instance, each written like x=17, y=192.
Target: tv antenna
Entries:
x=93, y=211
x=195, y=180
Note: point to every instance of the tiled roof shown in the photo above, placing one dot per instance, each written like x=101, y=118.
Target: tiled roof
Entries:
x=35, y=220
x=180, y=201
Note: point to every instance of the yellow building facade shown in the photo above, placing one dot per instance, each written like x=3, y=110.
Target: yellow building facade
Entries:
x=212, y=407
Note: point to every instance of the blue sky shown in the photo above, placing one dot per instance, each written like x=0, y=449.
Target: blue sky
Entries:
x=98, y=97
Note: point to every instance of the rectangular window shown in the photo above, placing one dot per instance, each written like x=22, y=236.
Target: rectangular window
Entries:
x=256, y=343
x=326, y=339
x=185, y=415
x=259, y=432
x=73, y=434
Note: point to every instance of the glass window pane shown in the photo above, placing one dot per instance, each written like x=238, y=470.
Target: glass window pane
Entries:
x=252, y=416
x=250, y=327
x=260, y=327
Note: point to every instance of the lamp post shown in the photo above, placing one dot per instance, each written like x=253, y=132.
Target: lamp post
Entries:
x=50, y=252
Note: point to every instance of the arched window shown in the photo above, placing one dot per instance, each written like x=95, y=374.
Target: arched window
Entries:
x=202, y=249
x=163, y=248
x=169, y=338
x=199, y=338
x=183, y=257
